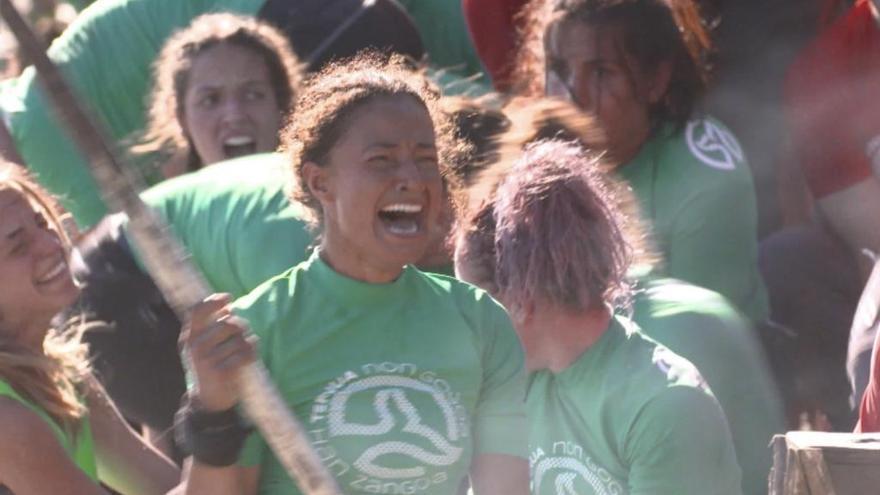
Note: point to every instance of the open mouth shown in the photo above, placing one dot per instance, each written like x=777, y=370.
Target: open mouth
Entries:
x=402, y=219
x=55, y=273
x=237, y=146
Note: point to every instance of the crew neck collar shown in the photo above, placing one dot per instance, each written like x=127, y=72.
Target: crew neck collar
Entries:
x=351, y=291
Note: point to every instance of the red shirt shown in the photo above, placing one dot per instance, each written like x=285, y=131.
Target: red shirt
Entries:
x=869, y=409
x=832, y=96
x=493, y=29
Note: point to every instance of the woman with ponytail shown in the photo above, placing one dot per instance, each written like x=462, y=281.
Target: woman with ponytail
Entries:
x=60, y=433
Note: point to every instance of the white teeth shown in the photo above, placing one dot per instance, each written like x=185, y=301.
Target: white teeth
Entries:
x=238, y=140
x=54, y=272
x=403, y=208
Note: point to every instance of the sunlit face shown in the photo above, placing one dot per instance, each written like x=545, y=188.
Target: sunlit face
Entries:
x=587, y=65
x=380, y=188
x=36, y=282
x=230, y=108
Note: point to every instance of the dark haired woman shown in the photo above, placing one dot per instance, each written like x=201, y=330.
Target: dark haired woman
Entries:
x=107, y=51
x=610, y=411
x=406, y=381
x=640, y=67
x=221, y=90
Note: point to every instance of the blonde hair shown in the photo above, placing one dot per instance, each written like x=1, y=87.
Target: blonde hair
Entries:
x=52, y=380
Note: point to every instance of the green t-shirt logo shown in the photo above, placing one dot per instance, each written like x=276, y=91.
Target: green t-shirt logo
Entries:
x=389, y=428
x=713, y=145
x=568, y=470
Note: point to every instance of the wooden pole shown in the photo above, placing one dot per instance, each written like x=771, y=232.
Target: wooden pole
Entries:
x=167, y=262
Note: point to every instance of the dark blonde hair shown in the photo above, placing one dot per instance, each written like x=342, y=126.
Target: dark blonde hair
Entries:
x=654, y=31
x=172, y=67
x=331, y=96
x=51, y=380
x=557, y=233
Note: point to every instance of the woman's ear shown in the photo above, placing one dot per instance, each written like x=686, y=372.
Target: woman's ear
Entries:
x=318, y=181
x=658, y=81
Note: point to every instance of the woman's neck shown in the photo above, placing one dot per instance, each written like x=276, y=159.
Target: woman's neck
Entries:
x=562, y=336
x=32, y=336
x=356, y=266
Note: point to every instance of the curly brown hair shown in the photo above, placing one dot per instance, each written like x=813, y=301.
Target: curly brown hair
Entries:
x=172, y=68
x=653, y=31
x=331, y=96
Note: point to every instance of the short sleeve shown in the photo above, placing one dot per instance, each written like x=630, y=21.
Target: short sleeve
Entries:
x=680, y=444
x=500, y=421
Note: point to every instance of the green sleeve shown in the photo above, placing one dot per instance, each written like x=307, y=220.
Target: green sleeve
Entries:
x=500, y=422
x=679, y=444
x=254, y=451
x=106, y=56
x=714, y=244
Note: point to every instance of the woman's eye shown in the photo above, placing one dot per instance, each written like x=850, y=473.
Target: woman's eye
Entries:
x=17, y=249
x=208, y=100
x=254, y=94
x=559, y=69
x=600, y=71
x=379, y=160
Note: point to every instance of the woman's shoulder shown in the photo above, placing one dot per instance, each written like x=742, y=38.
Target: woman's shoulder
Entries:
x=466, y=296
x=482, y=312
x=704, y=147
x=649, y=366
x=22, y=423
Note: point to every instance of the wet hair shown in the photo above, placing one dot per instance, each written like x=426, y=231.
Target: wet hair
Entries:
x=333, y=95
x=172, y=68
x=51, y=380
x=559, y=236
x=653, y=31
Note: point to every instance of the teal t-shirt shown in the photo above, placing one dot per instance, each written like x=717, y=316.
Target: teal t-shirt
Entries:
x=235, y=220
x=448, y=43
x=80, y=447
x=399, y=385
x=628, y=417
x=695, y=189
x=106, y=55
x=702, y=327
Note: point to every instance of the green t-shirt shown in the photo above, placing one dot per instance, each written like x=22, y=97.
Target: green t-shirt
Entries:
x=106, y=56
x=399, y=385
x=702, y=327
x=447, y=40
x=695, y=188
x=235, y=220
x=80, y=447
x=628, y=417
